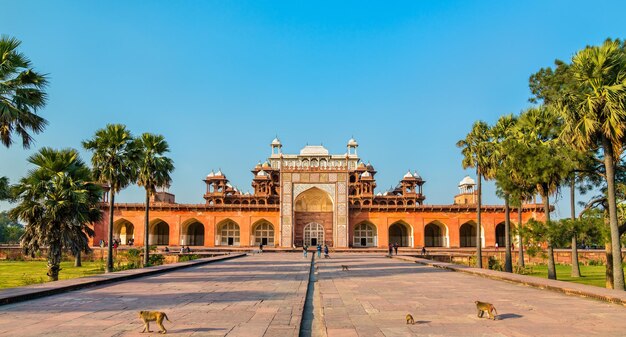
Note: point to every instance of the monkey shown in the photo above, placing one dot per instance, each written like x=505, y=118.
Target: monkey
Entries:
x=409, y=319
x=483, y=307
x=148, y=316
x=344, y=267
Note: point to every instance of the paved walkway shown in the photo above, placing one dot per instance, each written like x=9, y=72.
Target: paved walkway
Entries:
x=374, y=296
x=261, y=295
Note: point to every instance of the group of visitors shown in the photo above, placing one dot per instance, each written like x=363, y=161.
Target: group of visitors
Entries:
x=305, y=250
x=393, y=247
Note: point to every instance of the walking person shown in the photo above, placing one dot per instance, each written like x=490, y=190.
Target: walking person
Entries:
x=423, y=250
x=319, y=250
x=390, y=249
x=326, y=252
x=395, y=247
x=305, y=249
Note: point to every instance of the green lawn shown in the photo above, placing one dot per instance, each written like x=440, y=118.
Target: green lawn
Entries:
x=20, y=273
x=591, y=275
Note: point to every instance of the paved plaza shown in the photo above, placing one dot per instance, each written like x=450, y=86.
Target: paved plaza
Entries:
x=264, y=295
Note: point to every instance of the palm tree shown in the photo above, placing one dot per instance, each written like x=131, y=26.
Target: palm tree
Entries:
x=503, y=174
x=56, y=201
x=21, y=94
x=594, y=115
x=476, y=149
x=154, y=171
x=546, y=160
x=4, y=188
x=114, y=164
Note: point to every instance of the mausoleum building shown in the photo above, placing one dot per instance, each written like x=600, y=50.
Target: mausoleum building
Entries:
x=311, y=198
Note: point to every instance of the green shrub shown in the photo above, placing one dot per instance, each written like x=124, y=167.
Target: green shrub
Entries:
x=156, y=260
x=188, y=257
x=523, y=270
x=28, y=280
x=594, y=262
x=495, y=264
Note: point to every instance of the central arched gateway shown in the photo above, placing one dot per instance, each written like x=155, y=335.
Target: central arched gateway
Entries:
x=313, y=218
x=400, y=233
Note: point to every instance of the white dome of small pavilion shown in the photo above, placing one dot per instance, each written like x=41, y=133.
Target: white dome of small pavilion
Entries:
x=276, y=141
x=416, y=176
x=408, y=174
x=314, y=150
x=352, y=142
x=365, y=174
x=219, y=173
x=467, y=181
x=262, y=174
x=211, y=174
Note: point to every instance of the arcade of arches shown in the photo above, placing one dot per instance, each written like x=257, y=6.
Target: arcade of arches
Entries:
x=313, y=228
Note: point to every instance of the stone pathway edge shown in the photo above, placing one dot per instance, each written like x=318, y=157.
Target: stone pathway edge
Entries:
x=25, y=293
x=568, y=288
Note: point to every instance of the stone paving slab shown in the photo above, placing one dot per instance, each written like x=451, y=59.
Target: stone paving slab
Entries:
x=442, y=303
x=260, y=295
x=25, y=293
x=570, y=288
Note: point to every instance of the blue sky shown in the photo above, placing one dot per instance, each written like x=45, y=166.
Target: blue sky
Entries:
x=219, y=79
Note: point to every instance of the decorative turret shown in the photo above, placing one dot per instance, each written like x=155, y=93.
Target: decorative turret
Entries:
x=276, y=147
x=352, y=145
x=467, y=192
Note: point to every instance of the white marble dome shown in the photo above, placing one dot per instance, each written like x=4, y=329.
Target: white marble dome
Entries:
x=467, y=181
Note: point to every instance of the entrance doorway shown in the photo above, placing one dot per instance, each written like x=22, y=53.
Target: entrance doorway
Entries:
x=313, y=234
x=399, y=233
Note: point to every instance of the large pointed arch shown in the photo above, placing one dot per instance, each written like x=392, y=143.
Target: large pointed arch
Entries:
x=262, y=233
x=401, y=233
x=500, y=234
x=467, y=234
x=227, y=233
x=193, y=232
x=159, y=233
x=123, y=230
x=365, y=235
x=436, y=234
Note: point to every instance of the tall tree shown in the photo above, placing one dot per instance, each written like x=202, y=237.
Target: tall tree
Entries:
x=546, y=161
x=572, y=195
x=4, y=188
x=154, y=171
x=114, y=162
x=594, y=113
x=22, y=94
x=504, y=175
x=476, y=149
x=57, y=200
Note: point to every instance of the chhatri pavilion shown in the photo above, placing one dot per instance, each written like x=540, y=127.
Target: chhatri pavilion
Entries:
x=311, y=198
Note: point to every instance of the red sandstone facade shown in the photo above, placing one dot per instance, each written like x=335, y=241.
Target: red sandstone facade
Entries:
x=313, y=198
